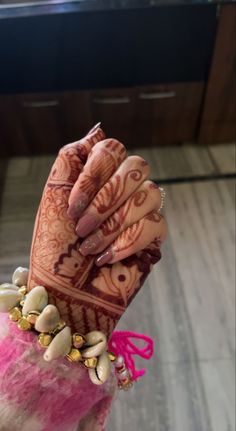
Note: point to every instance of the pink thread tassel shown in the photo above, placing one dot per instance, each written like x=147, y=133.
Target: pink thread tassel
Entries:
x=120, y=344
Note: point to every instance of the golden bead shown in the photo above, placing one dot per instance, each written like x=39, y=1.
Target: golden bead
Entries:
x=32, y=317
x=90, y=362
x=15, y=314
x=22, y=302
x=23, y=324
x=111, y=356
x=78, y=340
x=74, y=355
x=22, y=290
x=44, y=339
x=61, y=325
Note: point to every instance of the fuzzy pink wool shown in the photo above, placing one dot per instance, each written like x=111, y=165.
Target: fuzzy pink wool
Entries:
x=39, y=396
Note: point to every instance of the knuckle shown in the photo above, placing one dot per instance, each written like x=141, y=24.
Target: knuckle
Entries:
x=153, y=191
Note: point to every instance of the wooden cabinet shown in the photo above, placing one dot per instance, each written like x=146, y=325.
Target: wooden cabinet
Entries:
x=149, y=115
x=116, y=109
x=218, y=122
x=167, y=114
x=31, y=124
x=139, y=116
x=41, y=123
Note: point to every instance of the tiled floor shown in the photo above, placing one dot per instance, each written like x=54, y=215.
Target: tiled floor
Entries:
x=187, y=304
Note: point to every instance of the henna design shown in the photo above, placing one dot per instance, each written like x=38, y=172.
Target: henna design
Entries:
x=113, y=223
x=88, y=297
x=101, y=168
x=113, y=190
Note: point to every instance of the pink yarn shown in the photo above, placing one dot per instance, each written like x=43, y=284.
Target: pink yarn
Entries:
x=59, y=394
x=120, y=343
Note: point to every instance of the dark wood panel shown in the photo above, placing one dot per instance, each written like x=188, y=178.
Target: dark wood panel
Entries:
x=168, y=114
x=115, y=108
x=32, y=124
x=77, y=114
x=12, y=134
x=219, y=115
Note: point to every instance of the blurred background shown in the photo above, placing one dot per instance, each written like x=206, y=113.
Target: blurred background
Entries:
x=160, y=76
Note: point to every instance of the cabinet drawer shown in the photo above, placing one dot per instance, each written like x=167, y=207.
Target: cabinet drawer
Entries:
x=43, y=122
x=115, y=108
x=168, y=113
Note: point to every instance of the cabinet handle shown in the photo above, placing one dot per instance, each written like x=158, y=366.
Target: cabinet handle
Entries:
x=160, y=95
x=40, y=104
x=111, y=100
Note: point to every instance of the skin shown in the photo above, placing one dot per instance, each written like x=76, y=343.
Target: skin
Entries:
x=97, y=233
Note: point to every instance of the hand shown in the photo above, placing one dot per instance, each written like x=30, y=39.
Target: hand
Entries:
x=97, y=233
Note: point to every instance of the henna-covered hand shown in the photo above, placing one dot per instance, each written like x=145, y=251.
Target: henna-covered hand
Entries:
x=97, y=233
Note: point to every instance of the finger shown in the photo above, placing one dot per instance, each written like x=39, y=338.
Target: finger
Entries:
x=71, y=158
x=144, y=200
x=130, y=174
x=135, y=238
x=102, y=162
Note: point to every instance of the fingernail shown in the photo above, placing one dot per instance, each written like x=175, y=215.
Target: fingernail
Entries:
x=90, y=245
x=77, y=207
x=94, y=128
x=86, y=225
x=104, y=257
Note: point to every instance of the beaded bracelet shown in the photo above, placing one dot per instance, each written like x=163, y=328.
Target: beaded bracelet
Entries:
x=31, y=311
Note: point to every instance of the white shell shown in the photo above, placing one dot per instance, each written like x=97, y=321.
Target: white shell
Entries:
x=59, y=346
x=100, y=374
x=97, y=343
x=8, y=299
x=8, y=286
x=48, y=319
x=20, y=276
x=36, y=299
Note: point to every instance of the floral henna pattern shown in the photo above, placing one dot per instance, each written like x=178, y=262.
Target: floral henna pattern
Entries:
x=95, y=178
x=114, y=223
x=112, y=192
x=88, y=297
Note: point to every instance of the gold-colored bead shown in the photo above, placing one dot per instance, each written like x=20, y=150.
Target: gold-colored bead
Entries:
x=90, y=362
x=74, y=355
x=23, y=324
x=111, y=356
x=15, y=314
x=61, y=325
x=44, y=339
x=32, y=317
x=22, y=290
x=78, y=340
x=22, y=302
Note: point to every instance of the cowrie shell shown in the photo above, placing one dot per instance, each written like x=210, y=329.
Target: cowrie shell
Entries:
x=59, y=346
x=9, y=298
x=20, y=276
x=48, y=319
x=100, y=374
x=36, y=299
x=97, y=343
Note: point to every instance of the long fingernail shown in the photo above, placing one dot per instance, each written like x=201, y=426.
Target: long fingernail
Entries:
x=90, y=245
x=77, y=207
x=94, y=128
x=105, y=257
x=86, y=225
